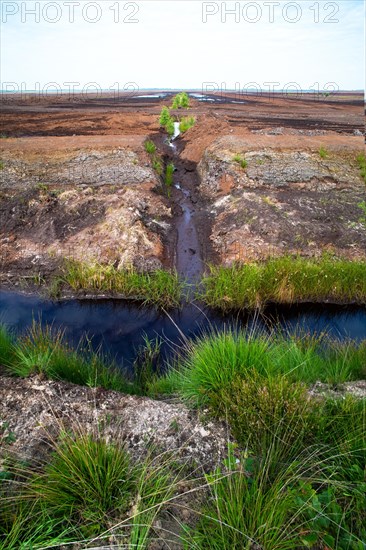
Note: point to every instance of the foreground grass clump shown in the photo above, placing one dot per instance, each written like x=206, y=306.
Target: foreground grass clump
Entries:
x=88, y=489
x=300, y=482
x=160, y=288
x=87, y=481
x=42, y=350
x=218, y=360
x=265, y=502
x=293, y=479
x=285, y=280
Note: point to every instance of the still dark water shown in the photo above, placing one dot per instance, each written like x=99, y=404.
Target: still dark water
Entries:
x=119, y=326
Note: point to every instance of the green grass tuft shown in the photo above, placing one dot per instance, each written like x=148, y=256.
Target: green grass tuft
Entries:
x=186, y=123
x=300, y=482
x=245, y=511
x=87, y=481
x=361, y=161
x=264, y=502
x=323, y=153
x=42, y=350
x=180, y=101
x=88, y=489
x=169, y=171
x=164, y=116
x=285, y=280
x=150, y=147
x=217, y=360
x=239, y=159
x=160, y=288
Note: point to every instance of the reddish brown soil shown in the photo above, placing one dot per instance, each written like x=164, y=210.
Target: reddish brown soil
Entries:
x=39, y=116
x=43, y=136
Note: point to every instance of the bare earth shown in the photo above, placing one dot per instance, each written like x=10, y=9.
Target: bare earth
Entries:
x=77, y=182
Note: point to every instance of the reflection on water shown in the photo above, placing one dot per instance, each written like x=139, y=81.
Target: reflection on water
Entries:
x=119, y=326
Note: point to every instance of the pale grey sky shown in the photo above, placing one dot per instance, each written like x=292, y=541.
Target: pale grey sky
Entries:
x=182, y=44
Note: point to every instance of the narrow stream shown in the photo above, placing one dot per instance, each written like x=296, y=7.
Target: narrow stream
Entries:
x=188, y=259
x=119, y=326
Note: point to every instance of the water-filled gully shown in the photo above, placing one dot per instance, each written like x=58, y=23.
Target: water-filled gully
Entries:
x=119, y=326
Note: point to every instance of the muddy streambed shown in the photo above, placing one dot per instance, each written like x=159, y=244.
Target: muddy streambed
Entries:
x=119, y=326
x=187, y=254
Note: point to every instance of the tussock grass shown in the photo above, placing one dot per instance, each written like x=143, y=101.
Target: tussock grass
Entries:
x=88, y=490
x=158, y=166
x=160, y=288
x=164, y=116
x=263, y=502
x=297, y=479
x=215, y=361
x=169, y=172
x=285, y=280
x=87, y=480
x=239, y=159
x=246, y=510
x=43, y=350
x=323, y=153
x=6, y=345
x=186, y=123
x=361, y=161
x=300, y=482
x=180, y=101
x=150, y=147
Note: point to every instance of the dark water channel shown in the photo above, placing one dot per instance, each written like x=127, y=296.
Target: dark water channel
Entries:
x=119, y=326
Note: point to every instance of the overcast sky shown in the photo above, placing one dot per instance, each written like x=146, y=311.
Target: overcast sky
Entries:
x=182, y=44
